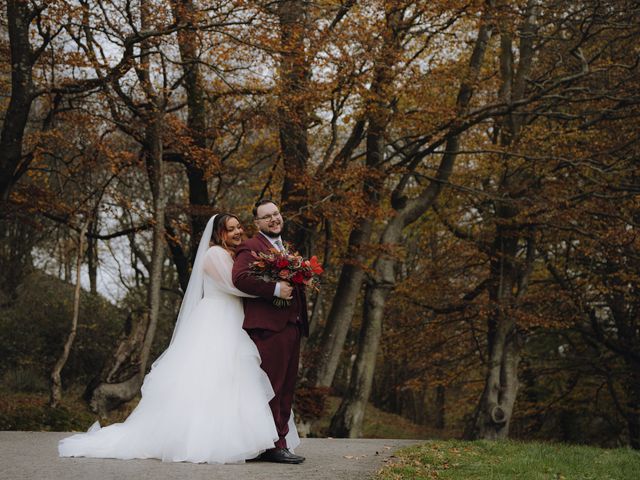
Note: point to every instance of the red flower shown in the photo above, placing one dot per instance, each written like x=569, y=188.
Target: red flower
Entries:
x=274, y=266
x=282, y=263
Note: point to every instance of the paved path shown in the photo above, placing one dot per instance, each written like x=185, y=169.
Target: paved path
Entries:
x=34, y=456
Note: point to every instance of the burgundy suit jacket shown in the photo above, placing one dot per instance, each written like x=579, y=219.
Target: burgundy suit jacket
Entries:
x=261, y=312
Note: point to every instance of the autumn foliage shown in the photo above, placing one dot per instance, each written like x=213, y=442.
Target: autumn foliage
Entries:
x=466, y=172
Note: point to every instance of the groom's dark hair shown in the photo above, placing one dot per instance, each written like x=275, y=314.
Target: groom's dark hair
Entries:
x=259, y=203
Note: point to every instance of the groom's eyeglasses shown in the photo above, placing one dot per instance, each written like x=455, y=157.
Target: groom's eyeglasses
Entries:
x=269, y=217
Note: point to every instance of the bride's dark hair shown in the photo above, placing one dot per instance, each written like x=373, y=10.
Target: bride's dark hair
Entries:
x=219, y=228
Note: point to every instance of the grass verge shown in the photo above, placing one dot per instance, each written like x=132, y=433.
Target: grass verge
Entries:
x=459, y=460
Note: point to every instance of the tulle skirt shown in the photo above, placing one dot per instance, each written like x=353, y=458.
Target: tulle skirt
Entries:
x=204, y=400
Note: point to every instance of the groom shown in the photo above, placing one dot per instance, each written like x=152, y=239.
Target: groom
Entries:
x=276, y=331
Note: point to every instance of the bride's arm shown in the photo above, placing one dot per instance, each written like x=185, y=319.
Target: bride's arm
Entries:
x=217, y=265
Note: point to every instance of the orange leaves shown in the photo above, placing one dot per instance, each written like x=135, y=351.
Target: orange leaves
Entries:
x=180, y=140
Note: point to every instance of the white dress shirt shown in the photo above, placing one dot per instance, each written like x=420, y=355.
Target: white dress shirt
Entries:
x=272, y=241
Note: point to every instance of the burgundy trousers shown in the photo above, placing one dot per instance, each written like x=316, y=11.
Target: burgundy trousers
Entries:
x=280, y=354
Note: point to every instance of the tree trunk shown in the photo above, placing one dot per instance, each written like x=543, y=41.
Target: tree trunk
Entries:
x=108, y=395
x=16, y=244
x=347, y=421
x=632, y=388
x=110, y=388
x=56, y=381
x=493, y=414
x=155, y=166
x=67, y=260
x=501, y=382
x=350, y=281
x=508, y=278
x=293, y=120
x=440, y=420
x=132, y=354
x=178, y=255
x=625, y=336
x=343, y=306
x=92, y=256
x=185, y=12
x=344, y=301
x=17, y=113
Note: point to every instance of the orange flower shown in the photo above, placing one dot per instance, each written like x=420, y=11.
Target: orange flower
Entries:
x=315, y=265
x=284, y=273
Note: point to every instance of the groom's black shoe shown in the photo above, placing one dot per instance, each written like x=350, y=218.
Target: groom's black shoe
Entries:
x=280, y=455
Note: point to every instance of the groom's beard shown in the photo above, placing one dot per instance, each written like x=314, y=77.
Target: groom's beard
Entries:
x=271, y=234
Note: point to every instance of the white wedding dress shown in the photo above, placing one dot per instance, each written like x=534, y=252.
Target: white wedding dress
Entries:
x=206, y=398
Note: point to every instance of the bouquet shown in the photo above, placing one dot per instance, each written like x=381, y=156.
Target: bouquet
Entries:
x=274, y=266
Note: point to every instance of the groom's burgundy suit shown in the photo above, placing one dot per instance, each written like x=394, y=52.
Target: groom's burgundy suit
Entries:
x=276, y=331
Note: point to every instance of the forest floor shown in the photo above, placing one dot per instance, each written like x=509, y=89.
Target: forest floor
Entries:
x=379, y=424
x=30, y=412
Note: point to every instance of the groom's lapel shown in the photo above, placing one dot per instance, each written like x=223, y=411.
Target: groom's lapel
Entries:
x=265, y=243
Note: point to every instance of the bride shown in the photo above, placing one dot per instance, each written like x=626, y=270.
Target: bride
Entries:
x=206, y=399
